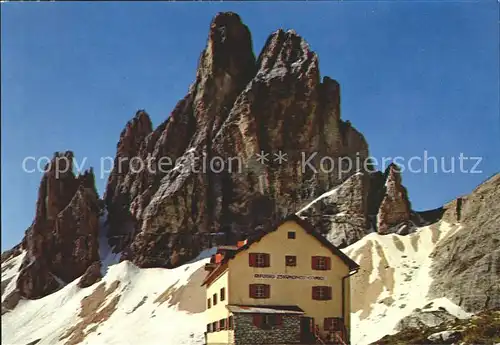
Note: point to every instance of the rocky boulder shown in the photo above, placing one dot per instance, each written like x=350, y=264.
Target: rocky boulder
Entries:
x=421, y=318
x=91, y=275
x=10, y=301
x=445, y=337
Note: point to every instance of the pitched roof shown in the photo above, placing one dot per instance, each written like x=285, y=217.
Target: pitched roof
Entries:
x=308, y=227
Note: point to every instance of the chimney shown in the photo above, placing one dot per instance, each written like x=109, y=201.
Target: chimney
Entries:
x=218, y=258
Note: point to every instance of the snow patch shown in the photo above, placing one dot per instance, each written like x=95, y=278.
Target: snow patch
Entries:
x=322, y=196
x=138, y=319
x=331, y=192
x=10, y=272
x=408, y=258
x=452, y=308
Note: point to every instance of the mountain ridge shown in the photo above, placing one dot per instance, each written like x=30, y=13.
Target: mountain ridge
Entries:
x=241, y=106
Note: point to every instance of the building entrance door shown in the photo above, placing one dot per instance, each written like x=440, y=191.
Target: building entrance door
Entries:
x=307, y=330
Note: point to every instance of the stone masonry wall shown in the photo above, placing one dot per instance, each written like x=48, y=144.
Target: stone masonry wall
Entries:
x=246, y=333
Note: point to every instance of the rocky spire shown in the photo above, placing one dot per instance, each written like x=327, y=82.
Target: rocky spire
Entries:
x=395, y=207
x=128, y=148
x=63, y=239
x=226, y=65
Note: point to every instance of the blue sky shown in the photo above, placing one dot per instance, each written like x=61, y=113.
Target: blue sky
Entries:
x=414, y=76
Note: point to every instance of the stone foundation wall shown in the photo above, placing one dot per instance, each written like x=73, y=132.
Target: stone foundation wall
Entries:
x=246, y=333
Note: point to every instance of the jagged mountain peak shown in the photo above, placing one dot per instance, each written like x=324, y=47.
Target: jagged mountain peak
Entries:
x=229, y=45
x=286, y=49
x=62, y=240
x=134, y=132
x=236, y=108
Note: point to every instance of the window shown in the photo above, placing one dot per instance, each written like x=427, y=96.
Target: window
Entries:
x=222, y=324
x=209, y=303
x=215, y=299
x=222, y=294
x=321, y=263
x=259, y=259
x=291, y=235
x=267, y=321
x=260, y=291
x=332, y=324
x=214, y=327
x=322, y=293
x=230, y=324
x=290, y=260
x=209, y=328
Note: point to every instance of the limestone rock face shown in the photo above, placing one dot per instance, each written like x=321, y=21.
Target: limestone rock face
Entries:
x=10, y=301
x=366, y=202
x=395, y=207
x=62, y=241
x=117, y=197
x=237, y=108
x=342, y=213
x=467, y=264
x=14, y=251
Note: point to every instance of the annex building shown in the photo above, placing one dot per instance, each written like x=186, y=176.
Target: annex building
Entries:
x=285, y=285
